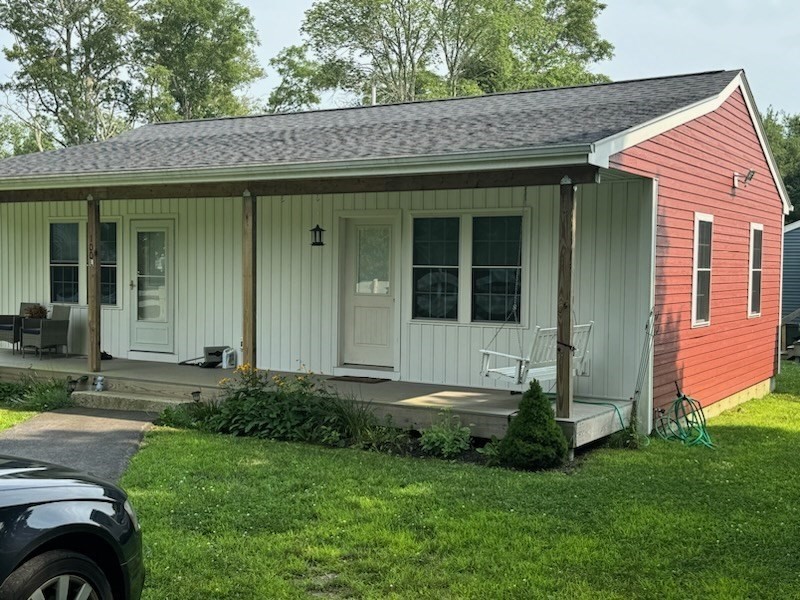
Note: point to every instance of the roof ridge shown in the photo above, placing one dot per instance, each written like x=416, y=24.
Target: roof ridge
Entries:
x=439, y=100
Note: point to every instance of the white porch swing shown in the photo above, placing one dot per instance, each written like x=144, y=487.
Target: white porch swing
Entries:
x=540, y=363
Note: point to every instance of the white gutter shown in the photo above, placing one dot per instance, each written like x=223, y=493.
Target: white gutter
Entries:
x=577, y=154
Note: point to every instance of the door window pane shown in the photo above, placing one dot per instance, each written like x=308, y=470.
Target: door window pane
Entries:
x=435, y=269
x=374, y=260
x=151, y=253
x=496, y=268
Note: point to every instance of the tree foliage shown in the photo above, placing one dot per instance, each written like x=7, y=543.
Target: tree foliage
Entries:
x=69, y=84
x=783, y=133
x=193, y=57
x=301, y=81
x=415, y=49
x=85, y=70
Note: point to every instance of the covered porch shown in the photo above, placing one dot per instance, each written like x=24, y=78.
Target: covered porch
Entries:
x=410, y=405
x=584, y=248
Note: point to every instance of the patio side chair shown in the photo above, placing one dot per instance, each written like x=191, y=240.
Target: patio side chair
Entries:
x=47, y=334
x=11, y=326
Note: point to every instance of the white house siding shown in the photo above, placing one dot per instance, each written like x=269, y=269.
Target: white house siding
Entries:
x=208, y=297
x=298, y=299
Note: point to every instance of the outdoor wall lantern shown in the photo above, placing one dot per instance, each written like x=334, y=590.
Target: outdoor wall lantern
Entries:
x=743, y=179
x=316, y=236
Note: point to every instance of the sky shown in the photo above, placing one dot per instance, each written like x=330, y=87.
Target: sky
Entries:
x=651, y=38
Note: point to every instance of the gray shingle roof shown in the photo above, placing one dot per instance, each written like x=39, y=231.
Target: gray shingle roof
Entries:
x=533, y=119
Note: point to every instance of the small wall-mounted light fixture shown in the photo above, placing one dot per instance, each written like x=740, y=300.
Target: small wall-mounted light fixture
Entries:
x=316, y=236
x=743, y=179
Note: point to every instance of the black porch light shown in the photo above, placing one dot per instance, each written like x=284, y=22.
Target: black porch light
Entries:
x=316, y=236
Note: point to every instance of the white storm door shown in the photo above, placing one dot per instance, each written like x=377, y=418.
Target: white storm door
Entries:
x=151, y=286
x=368, y=294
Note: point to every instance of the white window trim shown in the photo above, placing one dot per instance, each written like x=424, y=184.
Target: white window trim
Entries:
x=750, y=314
x=83, y=248
x=698, y=218
x=465, y=264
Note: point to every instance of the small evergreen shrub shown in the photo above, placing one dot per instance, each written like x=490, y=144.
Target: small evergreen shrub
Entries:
x=446, y=438
x=534, y=440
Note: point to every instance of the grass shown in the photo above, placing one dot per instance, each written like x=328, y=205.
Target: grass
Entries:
x=231, y=518
x=10, y=417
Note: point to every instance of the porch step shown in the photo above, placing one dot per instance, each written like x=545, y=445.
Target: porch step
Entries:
x=111, y=400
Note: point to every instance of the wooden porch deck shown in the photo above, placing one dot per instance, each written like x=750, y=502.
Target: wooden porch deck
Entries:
x=414, y=405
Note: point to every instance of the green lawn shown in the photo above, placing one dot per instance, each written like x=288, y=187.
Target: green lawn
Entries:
x=235, y=518
x=9, y=418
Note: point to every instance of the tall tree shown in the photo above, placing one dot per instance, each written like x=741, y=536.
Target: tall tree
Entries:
x=69, y=84
x=301, y=81
x=18, y=138
x=194, y=57
x=783, y=134
x=410, y=49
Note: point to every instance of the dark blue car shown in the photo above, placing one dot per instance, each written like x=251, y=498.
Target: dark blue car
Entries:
x=65, y=535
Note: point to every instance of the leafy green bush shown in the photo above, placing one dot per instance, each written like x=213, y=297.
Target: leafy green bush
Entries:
x=194, y=415
x=45, y=394
x=384, y=437
x=491, y=452
x=447, y=437
x=534, y=440
x=286, y=408
x=11, y=393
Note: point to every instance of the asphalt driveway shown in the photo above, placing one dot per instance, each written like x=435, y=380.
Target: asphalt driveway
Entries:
x=100, y=442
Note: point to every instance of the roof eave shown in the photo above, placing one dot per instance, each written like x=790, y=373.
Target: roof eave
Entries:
x=549, y=156
x=607, y=147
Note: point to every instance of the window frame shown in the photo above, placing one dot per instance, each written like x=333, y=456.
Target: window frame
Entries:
x=77, y=265
x=456, y=267
x=83, y=267
x=701, y=218
x=753, y=315
x=465, y=265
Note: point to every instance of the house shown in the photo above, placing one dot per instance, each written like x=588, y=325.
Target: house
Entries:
x=790, y=305
x=397, y=241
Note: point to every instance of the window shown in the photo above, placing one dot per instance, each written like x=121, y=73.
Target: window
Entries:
x=108, y=263
x=756, y=244
x=701, y=294
x=496, y=268
x=64, y=251
x=435, y=268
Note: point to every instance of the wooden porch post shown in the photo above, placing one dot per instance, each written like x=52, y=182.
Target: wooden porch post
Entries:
x=249, y=235
x=93, y=247
x=566, y=249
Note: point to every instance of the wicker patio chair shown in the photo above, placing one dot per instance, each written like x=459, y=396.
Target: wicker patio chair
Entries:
x=11, y=326
x=41, y=334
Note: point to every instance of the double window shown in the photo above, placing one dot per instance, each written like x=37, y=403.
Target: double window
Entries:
x=491, y=271
x=66, y=243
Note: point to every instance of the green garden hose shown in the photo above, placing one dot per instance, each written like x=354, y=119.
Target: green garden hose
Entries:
x=684, y=421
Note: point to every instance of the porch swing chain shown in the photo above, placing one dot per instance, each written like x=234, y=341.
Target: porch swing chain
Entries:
x=514, y=312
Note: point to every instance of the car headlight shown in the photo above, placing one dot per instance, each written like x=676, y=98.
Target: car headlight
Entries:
x=132, y=515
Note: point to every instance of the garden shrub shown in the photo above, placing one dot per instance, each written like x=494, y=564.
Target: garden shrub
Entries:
x=292, y=408
x=534, y=440
x=194, y=415
x=11, y=393
x=446, y=438
x=35, y=394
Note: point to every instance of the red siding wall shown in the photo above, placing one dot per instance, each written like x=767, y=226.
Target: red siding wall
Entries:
x=694, y=164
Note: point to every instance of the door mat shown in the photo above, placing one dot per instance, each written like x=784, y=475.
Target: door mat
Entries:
x=354, y=379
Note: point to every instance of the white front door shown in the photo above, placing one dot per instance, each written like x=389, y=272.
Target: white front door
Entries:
x=151, y=286
x=368, y=293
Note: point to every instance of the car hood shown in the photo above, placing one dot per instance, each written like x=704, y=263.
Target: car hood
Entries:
x=24, y=481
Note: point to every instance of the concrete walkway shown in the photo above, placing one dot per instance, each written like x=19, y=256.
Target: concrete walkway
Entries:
x=100, y=442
